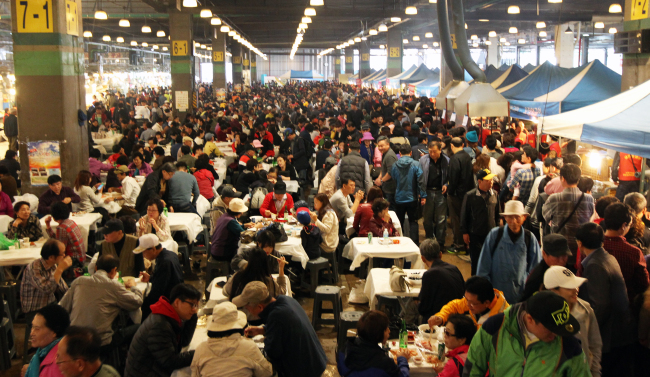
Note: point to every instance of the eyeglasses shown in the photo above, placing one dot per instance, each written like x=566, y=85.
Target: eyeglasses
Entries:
x=448, y=333
x=195, y=305
x=57, y=361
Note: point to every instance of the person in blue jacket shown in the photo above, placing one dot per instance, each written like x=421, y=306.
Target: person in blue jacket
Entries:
x=410, y=191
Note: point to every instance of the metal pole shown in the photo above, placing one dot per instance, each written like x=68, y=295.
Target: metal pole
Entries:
x=642, y=181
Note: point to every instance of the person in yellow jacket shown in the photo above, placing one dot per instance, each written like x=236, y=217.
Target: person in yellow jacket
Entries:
x=481, y=302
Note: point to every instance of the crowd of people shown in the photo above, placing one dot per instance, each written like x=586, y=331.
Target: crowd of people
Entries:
x=559, y=280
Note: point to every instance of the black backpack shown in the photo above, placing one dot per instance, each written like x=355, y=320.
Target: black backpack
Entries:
x=527, y=238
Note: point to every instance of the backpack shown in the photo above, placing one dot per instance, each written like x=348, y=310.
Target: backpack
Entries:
x=527, y=237
x=257, y=197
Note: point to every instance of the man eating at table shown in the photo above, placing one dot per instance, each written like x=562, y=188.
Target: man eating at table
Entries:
x=166, y=274
x=277, y=202
x=290, y=340
x=56, y=193
x=120, y=245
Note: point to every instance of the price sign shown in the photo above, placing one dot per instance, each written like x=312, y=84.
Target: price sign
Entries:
x=338, y=61
x=348, y=59
x=452, y=118
x=179, y=48
x=394, y=52
x=71, y=20
x=365, y=57
x=34, y=16
x=639, y=9
x=236, y=60
x=217, y=56
x=465, y=119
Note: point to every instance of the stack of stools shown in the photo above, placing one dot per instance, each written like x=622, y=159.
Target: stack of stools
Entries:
x=314, y=267
x=348, y=321
x=334, y=269
x=327, y=293
x=7, y=337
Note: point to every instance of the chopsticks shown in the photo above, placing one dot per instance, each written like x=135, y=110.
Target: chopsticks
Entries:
x=291, y=272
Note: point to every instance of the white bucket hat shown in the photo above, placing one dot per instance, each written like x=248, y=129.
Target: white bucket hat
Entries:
x=225, y=316
x=237, y=205
x=513, y=207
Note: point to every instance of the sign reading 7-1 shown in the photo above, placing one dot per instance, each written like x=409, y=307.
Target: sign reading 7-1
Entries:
x=34, y=16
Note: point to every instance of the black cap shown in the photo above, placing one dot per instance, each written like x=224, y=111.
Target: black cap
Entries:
x=552, y=311
x=280, y=188
x=113, y=225
x=556, y=245
x=228, y=191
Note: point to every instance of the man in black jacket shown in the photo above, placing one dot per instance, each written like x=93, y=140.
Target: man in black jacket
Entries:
x=156, y=346
x=11, y=129
x=151, y=187
x=441, y=283
x=478, y=215
x=355, y=115
x=555, y=252
x=461, y=180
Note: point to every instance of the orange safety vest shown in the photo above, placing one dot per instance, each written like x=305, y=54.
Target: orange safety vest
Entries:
x=627, y=166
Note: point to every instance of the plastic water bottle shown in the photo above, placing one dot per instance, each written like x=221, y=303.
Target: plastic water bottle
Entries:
x=369, y=238
x=385, y=235
x=165, y=212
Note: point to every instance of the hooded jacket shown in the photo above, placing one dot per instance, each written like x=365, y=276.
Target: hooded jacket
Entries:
x=231, y=356
x=365, y=358
x=156, y=346
x=205, y=180
x=410, y=180
x=460, y=306
x=302, y=151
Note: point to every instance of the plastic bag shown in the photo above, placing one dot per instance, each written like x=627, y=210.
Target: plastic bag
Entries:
x=5, y=242
x=29, y=198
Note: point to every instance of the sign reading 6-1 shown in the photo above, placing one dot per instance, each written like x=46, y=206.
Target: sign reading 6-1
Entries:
x=34, y=16
x=179, y=48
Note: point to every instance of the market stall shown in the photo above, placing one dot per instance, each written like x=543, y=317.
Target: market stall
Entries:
x=510, y=76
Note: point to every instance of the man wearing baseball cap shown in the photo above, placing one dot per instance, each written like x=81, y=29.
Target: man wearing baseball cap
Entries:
x=220, y=205
x=509, y=253
x=166, y=274
x=479, y=214
x=535, y=338
x=290, y=341
x=562, y=281
x=555, y=252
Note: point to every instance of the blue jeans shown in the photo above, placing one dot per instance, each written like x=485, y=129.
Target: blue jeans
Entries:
x=435, y=216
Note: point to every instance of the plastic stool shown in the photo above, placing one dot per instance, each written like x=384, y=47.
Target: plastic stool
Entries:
x=213, y=269
x=184, y=250
x=348, y=321
x=206, y=238
x=334, y=267
x=327, y=293
x=315, y=266
x=8, y=290
x=7, y=343
x=389, y=302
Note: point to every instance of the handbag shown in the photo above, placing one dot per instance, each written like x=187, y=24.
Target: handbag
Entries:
x=278, y=232
x=397, y=280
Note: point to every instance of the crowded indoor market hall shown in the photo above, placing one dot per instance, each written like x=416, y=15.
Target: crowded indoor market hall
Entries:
x=307, y=188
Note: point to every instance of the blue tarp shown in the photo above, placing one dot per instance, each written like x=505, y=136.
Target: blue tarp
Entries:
x=302, y=75
x=492, y=73
x=544, y=79
x=529, y=68
x=598, y=83
x=532, y=109
x=513, y=74
x=504, y=67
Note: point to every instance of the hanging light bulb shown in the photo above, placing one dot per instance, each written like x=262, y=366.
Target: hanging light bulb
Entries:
x=599, y=25
x=474, y=37
x=614, y=8
x=405, y=41
x=310, y=12
x=224, y=29
x=382, y=27
x=215, y=21
x=146, y=29
x=119, y=40
x=521, y=41
x=542, y=34
x=513, y=30
x=541, y=25
x=488, y=43
x=134, y=43
x=160, y=33
x=612, y=30
x=568, y=30
x=411, y=10
x=88, y=34
x=145, y=44
x=190, y=3
x=316, y=3
x=425, y=46
x=165, y=48
x=395, y=19
x=124, y=23
x=303, y=26
x=106, y=38
x=155, y=47
x=372, y=32
x=232, y=33
x=428, y=35
x=492, y=34
x=502, y=40
x=513, y=9
x=416, y=38
x=101, y=15
x=436, y=44
x=306, y=20
x=205, y=13
x=357, y=39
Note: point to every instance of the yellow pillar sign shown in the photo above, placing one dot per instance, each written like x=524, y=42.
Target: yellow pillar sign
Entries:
x=34, y=16
x=217, y=56
x=453, y=42
x=253, y=64
x=395, y=52
x=236, y=59
x=246, y=62
x=348, y=59
x=71, y=20
x=338, y=61
x=639, y=9
x=179, y=48
x=365, y=57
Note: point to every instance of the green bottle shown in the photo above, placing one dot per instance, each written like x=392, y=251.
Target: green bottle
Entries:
x=165, y=212
x=119, y=277
x=16, y=243
x=403, y=336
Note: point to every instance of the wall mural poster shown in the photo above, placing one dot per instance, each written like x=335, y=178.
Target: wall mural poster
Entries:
x=44, y=160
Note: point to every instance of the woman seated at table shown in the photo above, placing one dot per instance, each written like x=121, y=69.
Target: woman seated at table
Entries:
x=257, y=269
x=265, y=241
x=364, y=213
x=24, y=224
x=154, y=221
x=248, y=176
x=204, y=179
x=90, y=201
x=325, y=219
x=381, y=220
x=140, y=167
x=286, y=170
x=67, y=232
x=364, y=356
x=459, y=332
x=6, y=208
x=227, y=232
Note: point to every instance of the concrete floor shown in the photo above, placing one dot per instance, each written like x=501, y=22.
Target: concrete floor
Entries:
x=326, y=334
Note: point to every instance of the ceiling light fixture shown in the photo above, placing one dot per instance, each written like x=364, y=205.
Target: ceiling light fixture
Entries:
x=155, y=47
x=433, y=1
x=492, y=34
x=554, y=1
x=428, y=35
x=395, y=19
x=405, y=41
x=165, y=48
x=521, y=41
x=475, y=44
x=88, y=34
x=465, y=26
x=612, y=30
x=205, y=13
x=568, y=30
x=134, y=43
x=541, y=25
x=124, y=23
x=306, y=20
x=488, y=43
x=119, y=40
x=435, y=44
x=224, y=29
x=599, y=25
x=145, y=44
x=614, y=8
x=364, y=38
x=357, y=39
x=382, y=28
x=232, y=33
x=542, y=34
x=416, y=38
x=316, y=3
x=106, y=38
x=197, y=44
x=146, y=29
x=372, y=32
x=310, y=12
x=160, y=33
x=411, y=10
x=474, y=37
x=507, y=43
x=382, y=47
x=502, y=40
x=513, y=30
x=303, y=26
x=425, y=46
x=483, y=20
x=215, y=21
x=190, y=4
x=101, y=15
x=350, y=42
x=513, y=9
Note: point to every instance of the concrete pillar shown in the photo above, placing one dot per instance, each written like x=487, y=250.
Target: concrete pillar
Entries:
x=394, y=51
x=337, y=67
x=493, y=56
x=364, y=63
x=349, y=60
x=182, y=61
x=247, y=64
x=539, y=53
x=218, y=60
x=584, y=51
x=564, y=45
x=636, y=67
x=49, y=63
x=253, y=67
x=237, y=63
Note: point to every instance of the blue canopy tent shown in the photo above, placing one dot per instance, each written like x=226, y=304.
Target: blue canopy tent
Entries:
x=600, y=123
x=302, y=75
x=373, y=75
x=377, y=80
x=427, y=87
x=419, y=74
x=529, y=68
x=492, y=73
x=510, y=76
x=504, y=67
x=396, y=78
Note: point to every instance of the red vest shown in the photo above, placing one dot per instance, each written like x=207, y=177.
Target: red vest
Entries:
x=626, y=167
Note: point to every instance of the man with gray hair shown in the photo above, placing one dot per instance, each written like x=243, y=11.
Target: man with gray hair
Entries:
x=638, y=203
x=441, y=283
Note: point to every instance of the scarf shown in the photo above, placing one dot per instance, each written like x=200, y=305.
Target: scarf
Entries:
x=34, y=368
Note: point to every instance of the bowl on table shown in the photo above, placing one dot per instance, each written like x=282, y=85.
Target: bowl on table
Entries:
x=256, y=219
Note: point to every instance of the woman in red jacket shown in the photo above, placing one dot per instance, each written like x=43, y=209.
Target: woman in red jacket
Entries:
x=459, y=332
x=381, y=220
x=205, y=179
x=364, y=212
x=277, y=202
